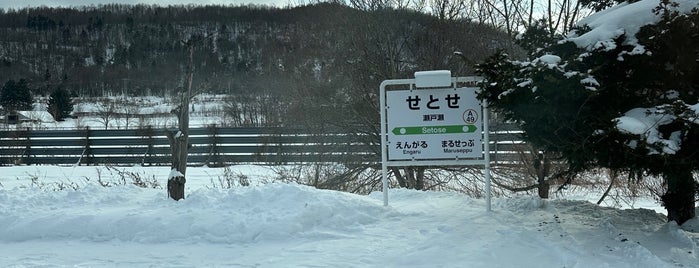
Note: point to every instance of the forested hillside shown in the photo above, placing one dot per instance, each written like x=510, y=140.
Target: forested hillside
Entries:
x=323, y=53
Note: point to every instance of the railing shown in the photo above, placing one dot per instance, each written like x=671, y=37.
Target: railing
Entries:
x=212, y=146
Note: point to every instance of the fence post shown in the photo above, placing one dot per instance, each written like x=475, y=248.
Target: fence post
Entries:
x=87, y=151
x=147, y=133
x=27, y=156
x=271, y=140
x=213, y=156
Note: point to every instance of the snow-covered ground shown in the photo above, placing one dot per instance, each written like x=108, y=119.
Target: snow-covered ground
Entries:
x=271, y=224
x=65, y=217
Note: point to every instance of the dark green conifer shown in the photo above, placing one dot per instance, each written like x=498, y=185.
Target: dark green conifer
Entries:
x=16, y=96
x=569, y=100
x=60, y=104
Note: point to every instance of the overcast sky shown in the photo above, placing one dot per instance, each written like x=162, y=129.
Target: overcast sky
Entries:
x=66, y=3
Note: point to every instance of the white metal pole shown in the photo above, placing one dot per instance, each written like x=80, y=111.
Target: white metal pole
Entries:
x=384, y=153
x=486, y=153
x=384, y=132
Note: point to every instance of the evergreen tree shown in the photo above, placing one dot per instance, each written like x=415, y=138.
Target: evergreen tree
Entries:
x=60, y=105
x=579, y=99
x=16, y=96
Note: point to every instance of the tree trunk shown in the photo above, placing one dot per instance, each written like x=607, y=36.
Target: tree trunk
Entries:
x=544, y=187
x=420, y=178
x=612, y=180
x=414, y=177
x=179, y=141
x=542, y=166
x=680, y=196
x=410, y=177
x=176, y=180
x=399, y=177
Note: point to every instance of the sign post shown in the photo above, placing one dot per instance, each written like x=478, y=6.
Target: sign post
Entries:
x=431, y=121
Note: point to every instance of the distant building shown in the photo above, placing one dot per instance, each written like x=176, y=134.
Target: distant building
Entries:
x=20, y=117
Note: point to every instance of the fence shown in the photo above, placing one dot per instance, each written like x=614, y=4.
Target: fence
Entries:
x=210, y=146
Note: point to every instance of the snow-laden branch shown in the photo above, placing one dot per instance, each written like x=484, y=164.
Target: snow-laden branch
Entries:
x=646, y=123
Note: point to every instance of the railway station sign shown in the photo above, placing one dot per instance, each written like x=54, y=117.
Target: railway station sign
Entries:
x=433, y=124
x=433, y=120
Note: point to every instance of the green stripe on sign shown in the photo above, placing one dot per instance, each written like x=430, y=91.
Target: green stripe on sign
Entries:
x=434, y=130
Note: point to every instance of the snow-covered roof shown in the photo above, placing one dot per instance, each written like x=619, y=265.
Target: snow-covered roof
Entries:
x=41, y=116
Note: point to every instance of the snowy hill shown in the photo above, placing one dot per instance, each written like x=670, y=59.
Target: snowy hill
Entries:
x=289, y=225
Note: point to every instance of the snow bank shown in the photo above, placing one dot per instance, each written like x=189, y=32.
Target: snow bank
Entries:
x=268, y=212
x=289, y=225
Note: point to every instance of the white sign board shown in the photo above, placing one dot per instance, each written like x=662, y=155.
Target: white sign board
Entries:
x=436, y=125
x=431, y=124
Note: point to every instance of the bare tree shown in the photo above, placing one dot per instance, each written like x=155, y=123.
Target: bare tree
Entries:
x=529, y=169
x=370, y=4
x=514, y=16
x=106, y=111
x=179, y=140
x=448, y=9
x=130, y=112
